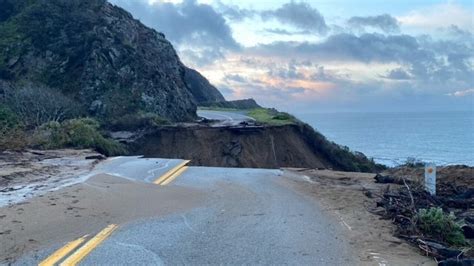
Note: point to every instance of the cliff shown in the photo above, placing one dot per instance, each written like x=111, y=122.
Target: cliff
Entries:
x=201, y=89
x=295, y=145
x=99, y=56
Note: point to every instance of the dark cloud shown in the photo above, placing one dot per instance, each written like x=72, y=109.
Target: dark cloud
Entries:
x=300, y=15
x=188, y=23
x=347, y=47
x=321, y=74
x=201, y=55
x=286, y=32
x=235, y=78
x=288, y=72
x=235, y=13
x=384, y=22
x=429, y=66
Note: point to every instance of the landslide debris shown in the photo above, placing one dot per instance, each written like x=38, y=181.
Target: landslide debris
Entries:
x=440, y=225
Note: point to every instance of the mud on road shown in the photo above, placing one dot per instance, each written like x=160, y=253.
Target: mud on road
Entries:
x=30, y=173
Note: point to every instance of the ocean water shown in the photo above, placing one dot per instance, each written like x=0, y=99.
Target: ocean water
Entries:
x=391, y=138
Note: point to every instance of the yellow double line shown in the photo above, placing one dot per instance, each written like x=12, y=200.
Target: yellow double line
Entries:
x=80, y=253
x=169, y=176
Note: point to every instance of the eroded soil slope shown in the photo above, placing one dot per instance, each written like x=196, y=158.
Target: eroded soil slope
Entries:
x=251, y=147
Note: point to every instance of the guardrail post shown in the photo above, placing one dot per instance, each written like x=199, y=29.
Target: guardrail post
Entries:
x=430, y=178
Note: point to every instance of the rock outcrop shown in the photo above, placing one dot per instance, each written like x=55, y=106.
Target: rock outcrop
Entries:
x=200, y=88
x=98, y=55
x=236, y=104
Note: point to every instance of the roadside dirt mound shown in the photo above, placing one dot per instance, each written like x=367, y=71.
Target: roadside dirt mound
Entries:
x=405, y=198
x=253, y=147
x=449, y=178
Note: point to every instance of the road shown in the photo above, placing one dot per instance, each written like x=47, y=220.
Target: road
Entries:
x=225, y=118
x=234, y=216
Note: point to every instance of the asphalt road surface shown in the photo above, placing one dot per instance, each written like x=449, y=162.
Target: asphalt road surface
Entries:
x=246, y=216
x=225, y=118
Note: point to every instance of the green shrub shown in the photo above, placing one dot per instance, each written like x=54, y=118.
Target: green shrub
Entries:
x=8, y=119
x=283, y=116
x=272, y=117
x=80, y=133
x=138, y=121
x=12, y=135
x=439, y=225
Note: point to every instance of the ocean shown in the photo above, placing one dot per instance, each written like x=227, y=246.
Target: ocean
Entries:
x=443, y=138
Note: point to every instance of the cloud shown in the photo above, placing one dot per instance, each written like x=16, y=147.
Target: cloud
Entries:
x=462, y=93
x=428, y=60
x=293, y=66
x=279, y=31
x=397, y=74
x=300, y=15
x=286, y=72
x=235, y=78
x=437, y=16
x=384, y=22
x=346, y=47
x=348, y=68
x=234, y=12
x=188, y=23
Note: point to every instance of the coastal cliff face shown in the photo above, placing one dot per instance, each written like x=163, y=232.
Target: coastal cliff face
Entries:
x=201, y=89
x=99, y=56
x=295, y=145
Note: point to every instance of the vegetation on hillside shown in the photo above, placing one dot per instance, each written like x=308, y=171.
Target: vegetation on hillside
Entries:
x=340, y=156
x=12, y=135
x=40, y=117
x=35, y=106
x=80, y=133
x=269, y=116
x=137, y=121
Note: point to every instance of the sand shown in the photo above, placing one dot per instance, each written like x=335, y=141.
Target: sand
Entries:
x=71, y=212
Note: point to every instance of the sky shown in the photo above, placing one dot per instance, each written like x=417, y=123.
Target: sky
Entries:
x=325, y=56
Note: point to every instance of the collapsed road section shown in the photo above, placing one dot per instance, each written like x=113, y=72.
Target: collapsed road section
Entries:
x=200, y=215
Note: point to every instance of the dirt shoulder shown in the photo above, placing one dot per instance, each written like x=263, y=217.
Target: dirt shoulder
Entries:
x=343, y=195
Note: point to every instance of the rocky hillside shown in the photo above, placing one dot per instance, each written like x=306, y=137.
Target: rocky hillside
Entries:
x=201, y=89
x=236, y=104
x=98, y=56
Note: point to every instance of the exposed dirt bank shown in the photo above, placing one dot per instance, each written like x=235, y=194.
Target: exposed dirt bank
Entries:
x=251, y=147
